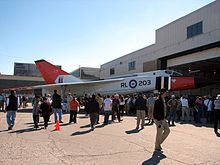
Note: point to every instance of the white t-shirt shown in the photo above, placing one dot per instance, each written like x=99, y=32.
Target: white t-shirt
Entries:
x=122, y=102
x=208, y=103
x=107, y=104
x=217, y=104
x=184, y=102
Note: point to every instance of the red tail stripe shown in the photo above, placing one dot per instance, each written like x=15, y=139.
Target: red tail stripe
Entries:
x=49, y=71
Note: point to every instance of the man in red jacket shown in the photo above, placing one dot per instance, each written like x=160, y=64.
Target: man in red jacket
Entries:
x=74, y=106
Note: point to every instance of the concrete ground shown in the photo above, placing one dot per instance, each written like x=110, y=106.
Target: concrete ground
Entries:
x=114, y=144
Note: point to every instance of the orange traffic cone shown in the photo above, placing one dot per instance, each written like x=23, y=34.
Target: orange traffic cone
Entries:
x=57, y=127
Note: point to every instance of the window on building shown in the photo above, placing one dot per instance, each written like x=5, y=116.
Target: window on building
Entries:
x=132, y=65
x=195, y=29
x=112, y=71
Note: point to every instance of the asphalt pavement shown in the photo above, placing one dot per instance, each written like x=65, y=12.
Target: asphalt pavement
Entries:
x=113, y=144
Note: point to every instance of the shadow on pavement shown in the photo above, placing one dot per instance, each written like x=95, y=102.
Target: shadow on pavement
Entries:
x=25, y=130
x=86, y=131
x=85, y=126
x=83, y=117
x=155, y=159
x=88, y=125
x=100, y=126
x=149, y=124
x=4, y=130
x=40, y=124
x=80, y=132
x=133, y=131
x=29, y=123
x=201, y=124
x=65, y=124
x=33, y=122
x=25, y=110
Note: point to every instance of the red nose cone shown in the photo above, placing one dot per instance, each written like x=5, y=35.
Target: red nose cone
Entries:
x=180, y=83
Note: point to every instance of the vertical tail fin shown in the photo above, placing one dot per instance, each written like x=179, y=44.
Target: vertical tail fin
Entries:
x=53, y=74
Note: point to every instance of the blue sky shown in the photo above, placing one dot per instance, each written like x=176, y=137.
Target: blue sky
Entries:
x=86, y=33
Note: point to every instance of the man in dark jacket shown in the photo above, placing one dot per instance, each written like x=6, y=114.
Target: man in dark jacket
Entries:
x=93, y=110
x=159, y=119
x=57, y=107
x=45, y=111
x=115, y=108
x=140, y=105
x=11, y=110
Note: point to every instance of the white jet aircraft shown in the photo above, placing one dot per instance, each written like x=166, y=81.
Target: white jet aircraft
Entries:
x=62, y=81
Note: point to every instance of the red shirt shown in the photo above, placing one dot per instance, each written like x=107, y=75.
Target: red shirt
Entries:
x=74, y=104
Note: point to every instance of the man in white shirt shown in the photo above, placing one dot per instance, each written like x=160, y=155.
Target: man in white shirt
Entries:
x=185, y=108
x=208, y=104
x=107, y=109
x=150, y=106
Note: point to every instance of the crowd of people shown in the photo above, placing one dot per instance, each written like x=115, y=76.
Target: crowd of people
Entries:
x=162, y=109
x=22, y=101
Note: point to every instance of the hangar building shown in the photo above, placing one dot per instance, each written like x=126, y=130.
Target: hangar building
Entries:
x=87, y=73
x=190, y=45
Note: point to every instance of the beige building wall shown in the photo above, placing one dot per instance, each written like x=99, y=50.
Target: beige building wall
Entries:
x=150, y=65
x=171, y=39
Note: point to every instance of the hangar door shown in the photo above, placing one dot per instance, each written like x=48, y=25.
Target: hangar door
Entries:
x=194, y=57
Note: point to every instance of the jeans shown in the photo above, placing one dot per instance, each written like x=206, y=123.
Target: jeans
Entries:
x=197, y=115
x=93, y=119
x=11, y=115
x=59, y=112
x=106, y=118
x=36, y=120
x=209, y=115
x=116, y=110
x=172, y=116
